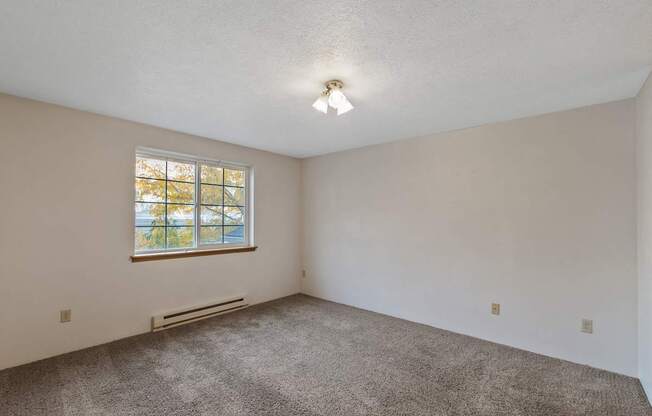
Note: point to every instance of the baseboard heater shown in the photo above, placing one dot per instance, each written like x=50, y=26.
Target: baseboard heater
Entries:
x=196, y=313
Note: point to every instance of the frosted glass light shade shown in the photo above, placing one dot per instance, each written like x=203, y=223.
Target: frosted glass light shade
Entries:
x=321, y=104
x=336, y=98
x=345, y=106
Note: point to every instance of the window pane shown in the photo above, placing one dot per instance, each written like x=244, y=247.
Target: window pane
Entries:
x=234, y=177
x=181, y=237
x=234, y=196
x=179, y=171
x=234, y=234
x=211, y=174
x=181, y=193
x=181, y=214
x=234, y=215
x=211, y=215
x=211, y=194
x=167, y=203
x=150, y=214
x=211, y=235
x=150, y=190
x=150, y=238
x=150, y=168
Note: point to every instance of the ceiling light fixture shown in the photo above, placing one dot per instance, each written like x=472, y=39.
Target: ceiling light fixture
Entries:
x=333, y=96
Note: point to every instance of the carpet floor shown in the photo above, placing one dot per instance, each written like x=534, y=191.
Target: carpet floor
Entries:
x=304, y=356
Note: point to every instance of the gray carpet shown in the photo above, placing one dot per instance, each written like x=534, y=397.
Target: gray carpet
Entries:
x=304, y=356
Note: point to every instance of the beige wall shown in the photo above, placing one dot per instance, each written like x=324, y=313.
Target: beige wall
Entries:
x=536, y=214
x=644, y=153
x=66, y=232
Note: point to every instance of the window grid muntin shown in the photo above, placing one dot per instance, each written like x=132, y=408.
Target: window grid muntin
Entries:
x=222, y=226
x=166, y=204
x=242, y=240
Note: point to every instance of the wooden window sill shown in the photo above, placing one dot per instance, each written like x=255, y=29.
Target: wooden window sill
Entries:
x=195, y=253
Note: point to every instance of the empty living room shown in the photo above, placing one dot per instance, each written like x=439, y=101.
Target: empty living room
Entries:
x=325, y=208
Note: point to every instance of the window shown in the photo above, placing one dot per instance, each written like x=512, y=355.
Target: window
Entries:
x=183, y=203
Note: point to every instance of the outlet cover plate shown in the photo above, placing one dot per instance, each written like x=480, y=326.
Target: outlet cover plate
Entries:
x=65, y=315
x=495, y=308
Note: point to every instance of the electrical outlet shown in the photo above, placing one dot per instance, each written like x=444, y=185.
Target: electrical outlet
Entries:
x=65, y=315
x=303, y=273
x=495, y=308
x=587, y=326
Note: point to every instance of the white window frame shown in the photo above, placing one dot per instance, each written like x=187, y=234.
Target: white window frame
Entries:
x=198, y=161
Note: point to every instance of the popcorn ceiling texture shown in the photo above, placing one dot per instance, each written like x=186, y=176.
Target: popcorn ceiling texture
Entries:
x=304, y=356
x=247, y=72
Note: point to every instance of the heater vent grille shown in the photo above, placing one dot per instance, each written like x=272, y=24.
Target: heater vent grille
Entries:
x=196, y=313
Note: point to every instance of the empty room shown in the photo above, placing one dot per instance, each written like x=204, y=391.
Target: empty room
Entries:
x=318, y=208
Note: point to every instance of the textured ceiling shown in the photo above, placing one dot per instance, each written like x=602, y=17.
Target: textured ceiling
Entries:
x=247, y=72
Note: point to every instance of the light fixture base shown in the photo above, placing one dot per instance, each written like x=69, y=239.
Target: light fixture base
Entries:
x=334, y=84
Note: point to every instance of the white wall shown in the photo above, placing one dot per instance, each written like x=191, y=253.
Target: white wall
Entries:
x=66, y=232
x=537, y=214
x=644, y=153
